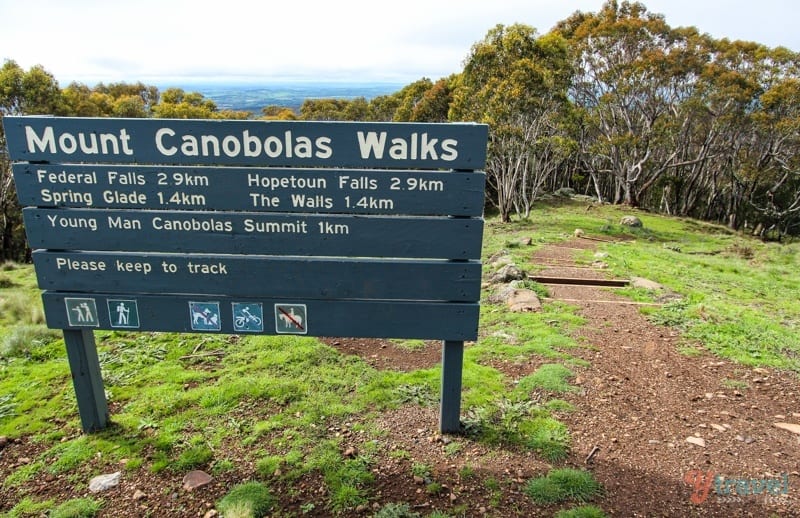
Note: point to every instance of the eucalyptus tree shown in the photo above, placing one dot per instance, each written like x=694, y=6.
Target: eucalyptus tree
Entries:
x=515, y=80
x=31, y=92
x=633, y=73
x=775, y=195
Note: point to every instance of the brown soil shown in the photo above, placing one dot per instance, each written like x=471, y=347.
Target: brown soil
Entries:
x=639, y=400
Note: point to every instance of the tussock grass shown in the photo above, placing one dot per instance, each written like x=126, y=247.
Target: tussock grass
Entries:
x=584, y=511
x=20, y=307
x=30, y=341
x=250, y=500
x=77, y=508
x=562, y=485
x=550, y=376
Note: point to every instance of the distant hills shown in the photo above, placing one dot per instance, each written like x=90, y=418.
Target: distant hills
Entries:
x=254, y=97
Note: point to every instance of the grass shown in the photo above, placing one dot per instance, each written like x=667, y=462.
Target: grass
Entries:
x=273, y=403
x=77, y=508
x=551, y=376
x=250, y=500
x=584, y=511
x=562, y=485
x=737, y=293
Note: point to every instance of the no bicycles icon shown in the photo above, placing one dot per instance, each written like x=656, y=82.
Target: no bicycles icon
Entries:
x=248, y=317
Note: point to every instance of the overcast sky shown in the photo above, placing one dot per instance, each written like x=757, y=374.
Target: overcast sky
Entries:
x=168, y=42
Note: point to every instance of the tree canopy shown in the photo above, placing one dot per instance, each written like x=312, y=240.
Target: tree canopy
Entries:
x=616, y=104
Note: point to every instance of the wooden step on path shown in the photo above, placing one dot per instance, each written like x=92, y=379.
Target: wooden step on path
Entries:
x=599, y=301
x=574, y=281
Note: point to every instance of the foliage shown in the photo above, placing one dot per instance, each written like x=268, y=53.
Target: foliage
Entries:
x=77, y=508
x=615, y=103
x=249, y=500
x=561, y=485
x=584, y=511
x=515, y=80
x=29, y=507
x=393, y=510
x=550, y=376
x=28, y=341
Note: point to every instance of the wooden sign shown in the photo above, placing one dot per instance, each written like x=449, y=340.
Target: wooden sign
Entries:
x=253, y=227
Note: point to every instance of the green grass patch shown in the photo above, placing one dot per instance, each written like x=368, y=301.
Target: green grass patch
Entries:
x=250, y=500
x=28, y=507
x=552, y=377
x=737, y=293
x=547, y=436
x=562, y=485
x=194, y=457
x=584, y=511
x=77, y=508
x=396, y=510
x=409, y=345
x=32, y=341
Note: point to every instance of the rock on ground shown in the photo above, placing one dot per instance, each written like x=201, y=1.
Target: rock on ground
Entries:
x=104, y=482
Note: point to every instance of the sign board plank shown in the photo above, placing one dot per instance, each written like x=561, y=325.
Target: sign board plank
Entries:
x=253, y=233
x=302, y=277
x=403, y=192
x=377, y=319
x=247, y=142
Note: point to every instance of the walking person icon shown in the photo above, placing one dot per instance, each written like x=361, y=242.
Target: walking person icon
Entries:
x=123, y=314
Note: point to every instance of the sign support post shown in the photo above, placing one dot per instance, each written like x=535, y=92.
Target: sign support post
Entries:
x=452, y=363
x=86, y=378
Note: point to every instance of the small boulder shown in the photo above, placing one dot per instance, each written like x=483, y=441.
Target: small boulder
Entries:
x=196, y=479
x=794, y=428
x=631, y=221
x=641, y=282
x=104, y=482
x=498, y=258
x=504, y=292
x=507, y=273
x=524, y=301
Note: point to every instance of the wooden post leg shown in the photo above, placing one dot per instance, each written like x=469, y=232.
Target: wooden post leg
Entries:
x=452, y=364
x=86, y=378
